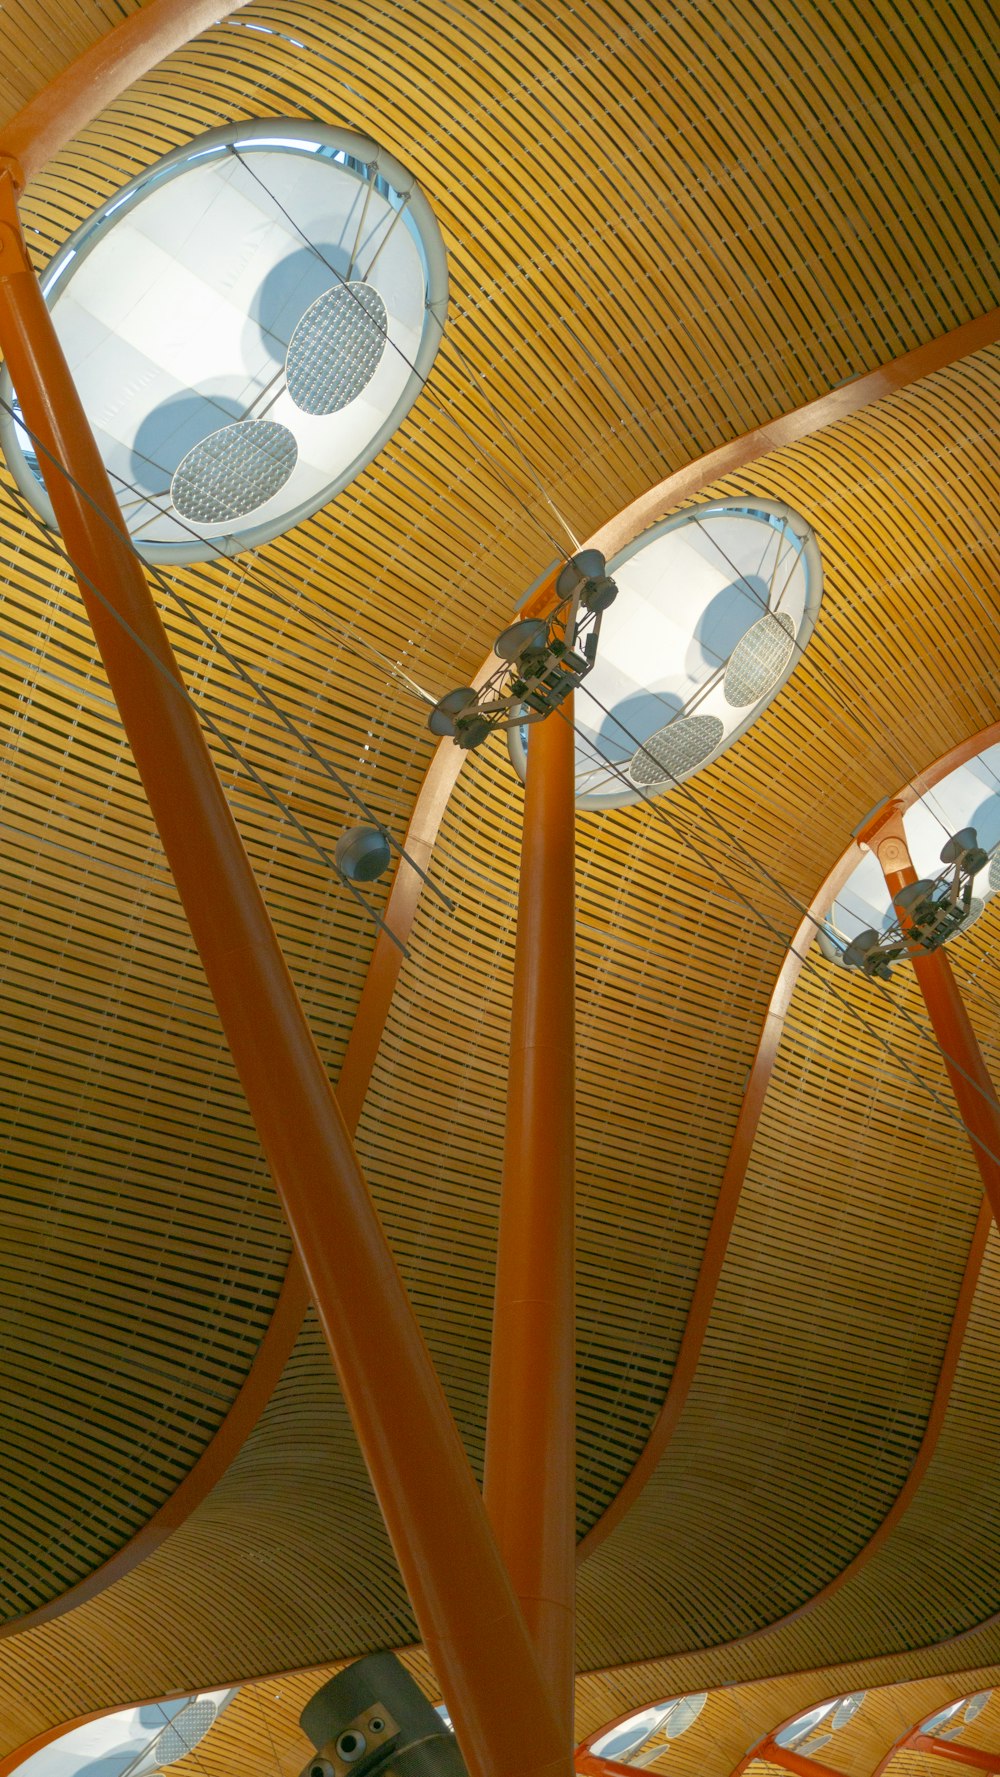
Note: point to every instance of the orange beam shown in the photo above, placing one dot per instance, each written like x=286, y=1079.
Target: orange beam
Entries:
x=724, y=1215
x=530, y=1470
x=797, y=1762
x=101, y=74
x=461, y=1594
x=293, y=1299
x=588, y=1764
x=971, y=1084
x=768, y=1752
x=955, y=1751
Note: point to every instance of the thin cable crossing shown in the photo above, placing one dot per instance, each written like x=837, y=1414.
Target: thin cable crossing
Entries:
x=282, y=717
x=927, y=1037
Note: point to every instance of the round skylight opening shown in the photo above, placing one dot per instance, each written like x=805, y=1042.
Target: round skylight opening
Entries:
x=247, y=323
x=715, y=607
x=642, y=1735
x=811, y=1730
x=137, y=1741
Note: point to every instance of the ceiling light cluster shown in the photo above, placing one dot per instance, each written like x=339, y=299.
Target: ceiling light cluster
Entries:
x=956, y=825
x=544, y=660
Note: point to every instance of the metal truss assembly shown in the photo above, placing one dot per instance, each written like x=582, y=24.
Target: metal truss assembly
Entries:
x=930, y=911
x=544, y=659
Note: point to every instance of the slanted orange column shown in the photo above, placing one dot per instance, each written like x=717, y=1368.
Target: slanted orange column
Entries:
x=464, y=1603
x=588, y=1764
x=799, y=1763
x=530, y=1476
x=956, y=1751
x=971, y=1084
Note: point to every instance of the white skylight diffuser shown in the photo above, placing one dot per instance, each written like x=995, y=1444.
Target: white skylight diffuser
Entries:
x=714, y=609
x=967, y=797
x=247, y=323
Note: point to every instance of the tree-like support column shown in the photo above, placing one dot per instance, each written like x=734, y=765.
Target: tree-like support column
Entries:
x=465, y=1605
x=530, y=1476
x=798, y=1763
x=971, y=1084
x=956, y=1751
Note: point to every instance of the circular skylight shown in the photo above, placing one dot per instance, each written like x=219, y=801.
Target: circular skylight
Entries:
x=713, y=611
x=947, y=1724
x=247, y=323
x=629, y=1741
x=135, y=1742
x=811, y=1730
x=967, y=797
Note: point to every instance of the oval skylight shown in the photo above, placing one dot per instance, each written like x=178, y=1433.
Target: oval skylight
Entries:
x=947, y=1724
x=967, y=797
x=714, y=609
x=134, y=1742
x=812, y=1729
x=628, y=1741
x=247, y=323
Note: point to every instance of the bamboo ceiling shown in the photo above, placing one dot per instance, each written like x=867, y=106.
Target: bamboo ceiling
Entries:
x=664, y=229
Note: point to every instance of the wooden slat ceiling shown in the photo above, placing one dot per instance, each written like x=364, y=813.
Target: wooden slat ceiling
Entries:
x=260, y=1728
x=291, y=1538
x=663, y=229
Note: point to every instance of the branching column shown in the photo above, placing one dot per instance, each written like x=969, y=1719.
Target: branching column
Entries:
x=464, y=1603
x=971, y=1084
x=530, y=1480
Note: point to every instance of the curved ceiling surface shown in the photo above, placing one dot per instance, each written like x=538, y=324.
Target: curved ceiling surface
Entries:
x=655, y=245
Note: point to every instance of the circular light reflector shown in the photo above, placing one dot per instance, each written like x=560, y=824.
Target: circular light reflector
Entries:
x=674, y=751
x=336, y=348
x=233, y=471
x=757, y=663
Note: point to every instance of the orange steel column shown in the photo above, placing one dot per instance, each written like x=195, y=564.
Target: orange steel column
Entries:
x=530, y=1473
x=797, y=1762
x=971, y=1084
x=464, y=1603
x=956, y=1751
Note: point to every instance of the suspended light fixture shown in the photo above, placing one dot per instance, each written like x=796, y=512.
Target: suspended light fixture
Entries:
x=363, y=854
